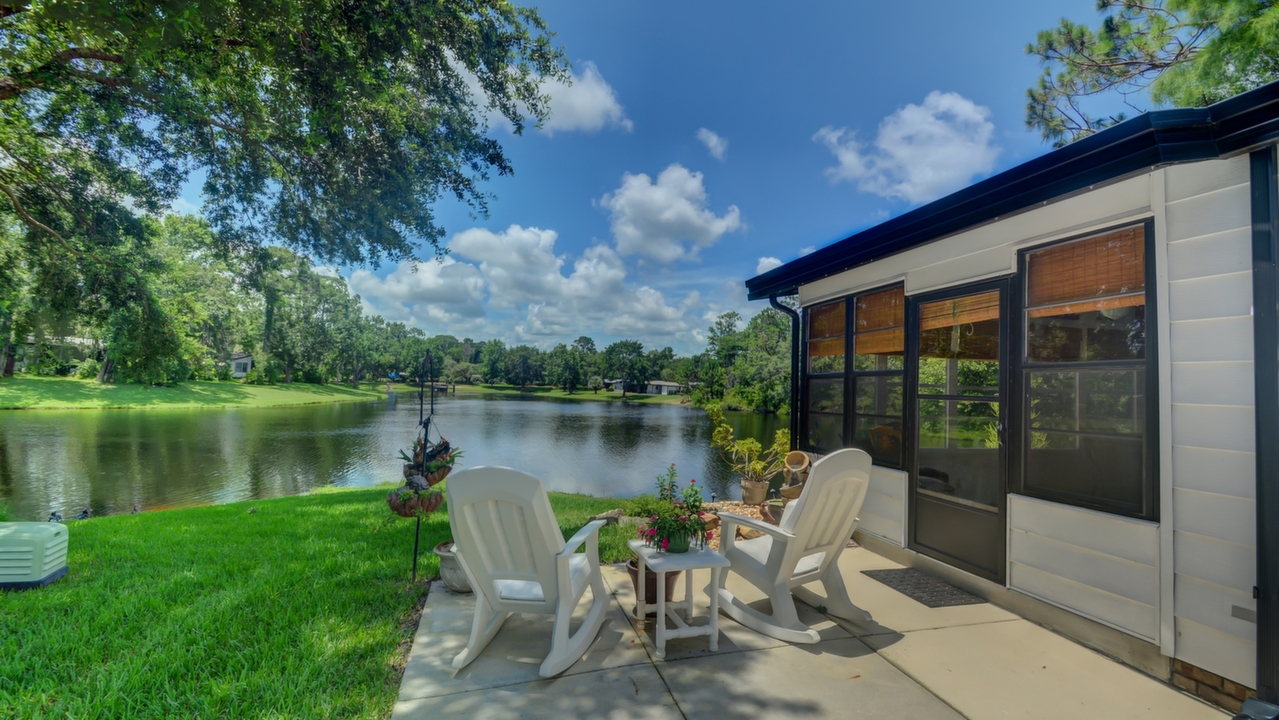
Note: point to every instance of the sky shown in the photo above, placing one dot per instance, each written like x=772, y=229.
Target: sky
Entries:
x=703, y=143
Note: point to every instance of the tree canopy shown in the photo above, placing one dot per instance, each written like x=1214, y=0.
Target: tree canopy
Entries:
x=1168, y=52
x=322, y=126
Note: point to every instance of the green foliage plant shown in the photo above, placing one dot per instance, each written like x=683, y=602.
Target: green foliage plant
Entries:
x=747, y=457
x=87, y=369
x=1184, y=53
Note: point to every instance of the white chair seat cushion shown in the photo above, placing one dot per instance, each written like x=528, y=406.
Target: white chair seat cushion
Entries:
x=758, y=549
x=531, y=590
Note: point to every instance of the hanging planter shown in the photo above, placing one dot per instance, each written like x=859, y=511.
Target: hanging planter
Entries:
x=408, y=502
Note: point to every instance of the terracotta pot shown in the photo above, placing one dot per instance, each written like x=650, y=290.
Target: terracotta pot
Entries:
x=753, y=492
x=792, y=492
x=450, y=570
x=650, y=585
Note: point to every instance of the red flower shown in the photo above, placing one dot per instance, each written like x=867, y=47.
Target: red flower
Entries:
x=701, y=513
x=683, y=519
x=692, y=482
x=652, y=532
x=708, y=535
x=666, y=542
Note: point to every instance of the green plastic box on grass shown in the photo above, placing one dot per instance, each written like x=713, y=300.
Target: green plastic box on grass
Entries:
x=32, y=554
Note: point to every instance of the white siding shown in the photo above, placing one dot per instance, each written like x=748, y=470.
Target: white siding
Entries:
x=991, y=250
x=1099, y=565
x=883, y=514
x=1213, y=424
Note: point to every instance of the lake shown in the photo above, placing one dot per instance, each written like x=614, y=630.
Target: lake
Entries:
x=112, y=460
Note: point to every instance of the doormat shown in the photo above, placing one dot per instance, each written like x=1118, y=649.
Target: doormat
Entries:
x=923, y=588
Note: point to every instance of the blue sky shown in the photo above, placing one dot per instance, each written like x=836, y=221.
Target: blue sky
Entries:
x=815, y=120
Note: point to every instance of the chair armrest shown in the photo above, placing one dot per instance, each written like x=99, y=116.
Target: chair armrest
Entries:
x=752, y=523
x=591, y=528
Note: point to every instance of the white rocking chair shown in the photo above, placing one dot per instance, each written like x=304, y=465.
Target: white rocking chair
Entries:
x=509, y=544
x=803, y=548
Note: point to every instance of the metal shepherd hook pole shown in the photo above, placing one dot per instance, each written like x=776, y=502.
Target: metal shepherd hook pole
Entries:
x=428, y=368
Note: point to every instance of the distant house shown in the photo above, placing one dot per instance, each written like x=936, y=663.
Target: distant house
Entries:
x=661, y=387
x=241, y=364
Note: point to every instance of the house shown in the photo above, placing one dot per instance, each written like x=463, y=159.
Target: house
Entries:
x=661, y=387
x=1068, y=377
x=241, y=364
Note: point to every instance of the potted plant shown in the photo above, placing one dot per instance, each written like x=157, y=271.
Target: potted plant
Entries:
x=432, y=461
x=651, y=507
x=747, y=457
x=410, y=501
x=679, y=525
x=450, y=569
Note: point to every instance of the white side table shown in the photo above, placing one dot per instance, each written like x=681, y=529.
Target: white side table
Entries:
x=662, y=562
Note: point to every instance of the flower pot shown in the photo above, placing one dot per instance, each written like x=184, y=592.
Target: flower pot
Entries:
x=754, y=492
x=678, y=544
x=450, y=569
x=650, y=585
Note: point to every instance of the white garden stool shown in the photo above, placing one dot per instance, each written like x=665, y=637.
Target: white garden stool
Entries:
x=662, y=562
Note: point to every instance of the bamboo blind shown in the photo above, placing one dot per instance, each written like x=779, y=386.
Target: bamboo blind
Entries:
x=826, y=321
x=957, y=311
x=1088, y=274
x=828, y=346
x=880, y=342
x=880, y=310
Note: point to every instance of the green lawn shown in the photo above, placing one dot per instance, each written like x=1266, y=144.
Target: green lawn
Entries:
x=27, y=392
x=291, y=608
x=540, y=391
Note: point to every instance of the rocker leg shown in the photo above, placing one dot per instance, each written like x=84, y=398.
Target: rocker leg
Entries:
x=836, y=601
x=566, y=649
x=484, y=626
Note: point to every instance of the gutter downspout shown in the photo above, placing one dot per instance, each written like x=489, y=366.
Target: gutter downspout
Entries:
x=1265, y=302
x=794, y=370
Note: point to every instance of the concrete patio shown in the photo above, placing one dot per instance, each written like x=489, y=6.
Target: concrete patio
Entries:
x=973, y=661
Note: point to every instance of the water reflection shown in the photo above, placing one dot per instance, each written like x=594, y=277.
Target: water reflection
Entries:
x=111, y=460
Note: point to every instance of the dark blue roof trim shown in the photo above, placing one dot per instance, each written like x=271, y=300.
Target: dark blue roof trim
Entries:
x=1154, y=139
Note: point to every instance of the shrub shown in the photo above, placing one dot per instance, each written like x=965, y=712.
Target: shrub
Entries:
x=646, y=505
x=87, y=368
x=4, y=512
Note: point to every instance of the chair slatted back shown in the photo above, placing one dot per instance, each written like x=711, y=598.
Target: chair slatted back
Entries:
x=825, y=513
x=504, y=530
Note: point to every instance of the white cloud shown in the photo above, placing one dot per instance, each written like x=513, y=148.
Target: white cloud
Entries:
x=589, y=104
x=326, y=271
x=666, y=220
x=182, y=206
x=921, y=153
x=718, y=146
x=767, y=263
x=433, y=292
x=518, y=264
x=807, y=250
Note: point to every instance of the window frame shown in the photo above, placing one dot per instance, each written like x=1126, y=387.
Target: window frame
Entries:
x=850, y=374
x=1022, y=367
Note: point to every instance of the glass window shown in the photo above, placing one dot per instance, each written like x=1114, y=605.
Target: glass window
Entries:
x=958, y=449
x=826, y=330
x=1085, y=431
x=862, y=406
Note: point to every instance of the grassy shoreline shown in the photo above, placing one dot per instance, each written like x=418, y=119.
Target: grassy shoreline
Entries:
x=25, y=392
x=291, y=607
x=544, y=392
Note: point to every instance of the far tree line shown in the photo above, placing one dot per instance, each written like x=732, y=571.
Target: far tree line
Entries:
x=300, y=325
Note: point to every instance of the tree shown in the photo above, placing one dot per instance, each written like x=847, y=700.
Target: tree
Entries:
x=595, y=383
x=585, y=344
x=1182, y=52
x=763, y=369
x=493, y=361
x=722, y=340
x=624, y=359
x=523, y=365
x=328, y=127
